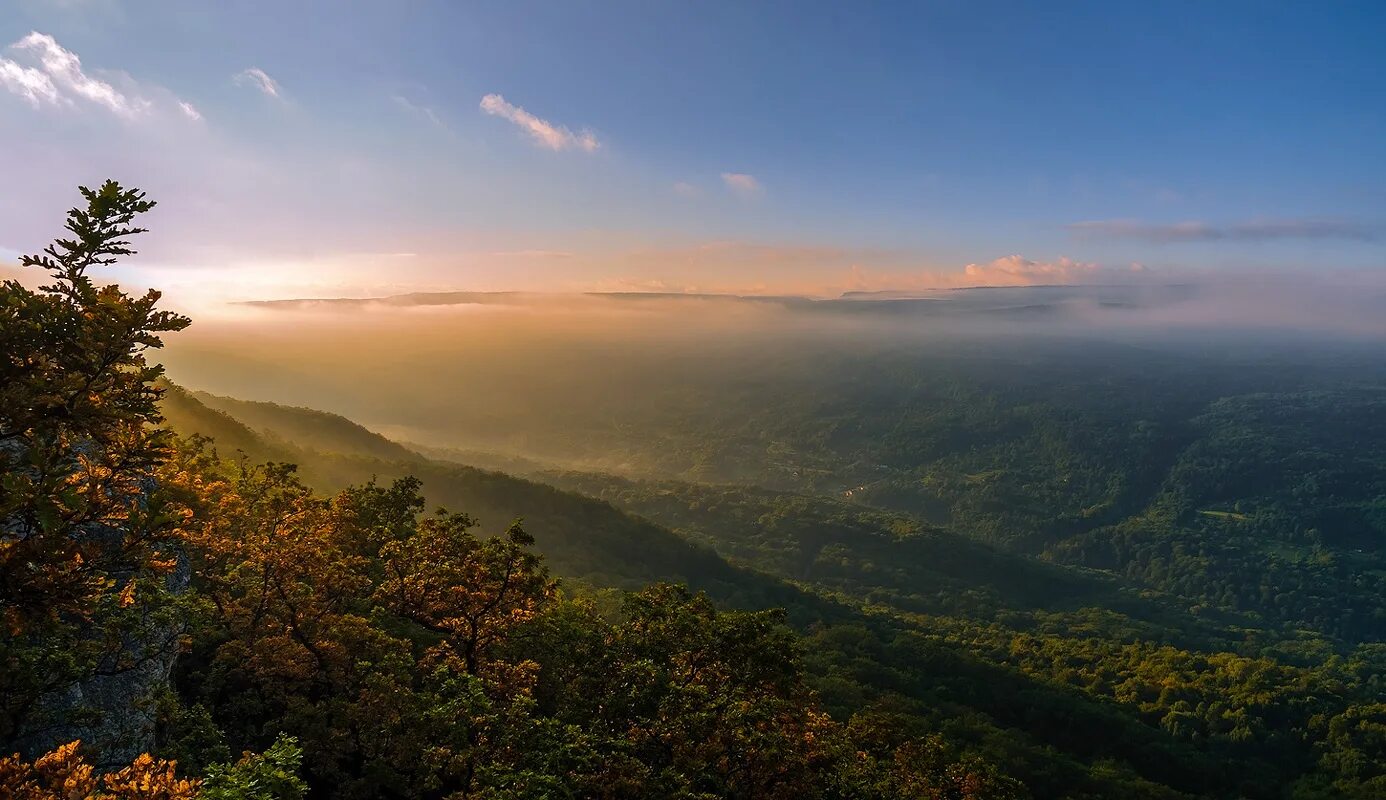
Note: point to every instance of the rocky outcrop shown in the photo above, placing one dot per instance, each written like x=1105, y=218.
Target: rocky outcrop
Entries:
x=112, y=709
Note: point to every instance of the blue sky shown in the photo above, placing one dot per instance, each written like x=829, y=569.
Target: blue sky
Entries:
x=351, y=147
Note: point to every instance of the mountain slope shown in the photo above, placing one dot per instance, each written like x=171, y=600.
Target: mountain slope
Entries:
x=308, y=428
x=1079, y=700
x=581, y=537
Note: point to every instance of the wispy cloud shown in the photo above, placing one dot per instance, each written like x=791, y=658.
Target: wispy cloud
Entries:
x=685, y=189
x=1251, y=231
x=259, y=79
x=29, y=83
x=59, y=79
x=1017, y=270
x=743, y=184
x=421, y=110
x=190, y=111
x=543, y=132
x=827, y=270
x=1012, y=270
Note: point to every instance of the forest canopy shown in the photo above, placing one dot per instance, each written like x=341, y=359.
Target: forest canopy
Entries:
x=912, y=575
x=371, y=648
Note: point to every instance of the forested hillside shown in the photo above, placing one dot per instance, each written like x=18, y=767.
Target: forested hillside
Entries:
x=156, y=595
x=1080, y=682
x=926, y=576
x=1239, y=475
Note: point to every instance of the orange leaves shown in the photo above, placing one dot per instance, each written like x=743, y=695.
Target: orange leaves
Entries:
x=472, y=591
x=64, y=775
x=150, y=779
x=65, y=771
x=365, y=626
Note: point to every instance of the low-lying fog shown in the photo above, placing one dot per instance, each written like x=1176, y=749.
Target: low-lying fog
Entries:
x=576, y=379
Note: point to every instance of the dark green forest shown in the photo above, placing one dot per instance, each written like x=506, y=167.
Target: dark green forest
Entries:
x=1051, y=568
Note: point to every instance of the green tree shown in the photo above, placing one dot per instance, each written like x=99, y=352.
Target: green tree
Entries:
x=82, y=525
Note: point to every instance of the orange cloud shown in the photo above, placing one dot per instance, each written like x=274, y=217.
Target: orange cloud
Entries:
x=1012, y=270
x=1016, y=270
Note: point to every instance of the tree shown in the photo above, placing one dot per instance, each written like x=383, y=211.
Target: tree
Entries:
x=469, y=590
x=83, y=528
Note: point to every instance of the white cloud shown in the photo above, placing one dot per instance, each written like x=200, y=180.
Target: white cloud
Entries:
x=59, y=79
x=45, y=73
x=544, y=133
x=31, y=84
x=741, y=183
x=684, y=189
x=65, y=69
x=259, y=79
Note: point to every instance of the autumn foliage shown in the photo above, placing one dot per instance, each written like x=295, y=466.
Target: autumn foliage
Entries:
x=64, y=775
x=373, y=648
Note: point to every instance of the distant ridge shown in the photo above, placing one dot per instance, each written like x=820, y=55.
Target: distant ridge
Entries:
x=428, y=299
x=1105, y=293
x=410, y=299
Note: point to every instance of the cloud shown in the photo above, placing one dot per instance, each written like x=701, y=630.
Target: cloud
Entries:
x=1017, y=270
x=190, y=111
x=414, y=108
x=544, y=133
x=58, y=78
x=684, y=189
x=31, y=84
x=259, y=79
x=1252, y=231
x=741, y=183
x=1012, y=270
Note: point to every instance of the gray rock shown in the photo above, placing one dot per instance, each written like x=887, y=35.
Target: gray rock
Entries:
x=112, y=710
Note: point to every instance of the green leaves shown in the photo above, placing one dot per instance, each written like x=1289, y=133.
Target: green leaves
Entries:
x=78, y=444
x=271, y=775
x=102, y=230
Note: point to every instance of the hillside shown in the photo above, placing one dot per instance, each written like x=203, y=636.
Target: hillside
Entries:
x=581, y=537
x=957, y=636
x=307, y=428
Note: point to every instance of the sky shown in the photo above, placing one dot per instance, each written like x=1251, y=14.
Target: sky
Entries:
x=366, y=148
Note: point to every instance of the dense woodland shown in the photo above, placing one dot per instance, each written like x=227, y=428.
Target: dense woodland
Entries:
x=910, y=575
